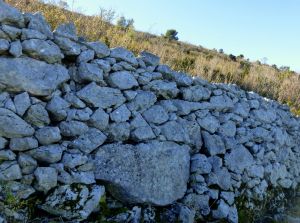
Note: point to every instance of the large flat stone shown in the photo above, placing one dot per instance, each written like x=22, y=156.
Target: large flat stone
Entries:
x=27, y=74
x=156, y=172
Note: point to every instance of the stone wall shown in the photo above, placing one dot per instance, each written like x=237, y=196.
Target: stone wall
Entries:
x=80, y=122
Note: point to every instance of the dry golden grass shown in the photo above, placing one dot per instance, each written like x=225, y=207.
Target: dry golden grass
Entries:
x=283, y=86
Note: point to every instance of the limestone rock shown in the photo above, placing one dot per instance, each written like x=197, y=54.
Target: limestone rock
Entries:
x=122, y=80
x=140, y=178
x=35, y=77
x=46, y=178
x=10, y=15
x=12, y=126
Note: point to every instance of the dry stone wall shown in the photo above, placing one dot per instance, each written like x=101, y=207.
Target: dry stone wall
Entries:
x=79, y=120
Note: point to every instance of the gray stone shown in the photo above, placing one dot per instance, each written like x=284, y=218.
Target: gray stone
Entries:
x=103, y=64
x=48, y=154
x=121, y=53
x=149, y=58
x=220, y=177
x=11, y=31
x=196, y=93
x=37, y=116
x=10, y=170
x=200, y=164
x=238, y=159
x=228, y=129
x=32, y=34
x=38, y=22
x=156, y=115
x=7, y=155
x=228, y=197
x=121, y=114
x=3, y=143
x=84, y=177
x=27, y=163
x=67, y=30
x=48, y=135
x=73, y=128
x=42, y=50
x=46, y=178
x=100, y=49
x=181, y=79
x=88, y=72
x=58, y=108
x=209, y=123
x=74, y=201
x=186, y=215
x=142, y=101
x=221, y=103
x=142, y=133
x=89, y=141
x=4, y=45
x=16, y=48
x=85, y=56
x=19, y=190
x=222, y=211
x=23, y=144
x=73, y=160
x=123, y=80
x=186, y=107
x=264, y=116
x=12, y=126
x=213, y=143
x=10, y=15
x=146, y=183
x=22, y=103
x=68, y=47
x=74, y=100
x=199, y=203
x=35, y=77
x=99, y=119
x=174, y=131
x=102, y=97
x=119, y=131
x=79, y=114
x=163, y=88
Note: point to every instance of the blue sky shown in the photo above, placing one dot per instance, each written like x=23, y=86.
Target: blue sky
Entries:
x=255, y=28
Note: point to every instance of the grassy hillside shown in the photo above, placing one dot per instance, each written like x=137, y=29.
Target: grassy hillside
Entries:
x=279, y=84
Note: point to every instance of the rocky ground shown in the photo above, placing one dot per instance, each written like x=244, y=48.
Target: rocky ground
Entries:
x=89, y=133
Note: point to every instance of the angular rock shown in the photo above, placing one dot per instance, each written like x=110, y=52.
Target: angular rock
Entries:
x=89, y=141
x=101, y=97
x=118, y=131
x=139, y=178
x=196, y=93
x=37, y=115
x=46, y=178
x=85, y=56
x=100, y=49
x=142, y=101
x=123, y=54
x=213, y=143
x=4, y=45
x=68, y=47
x=121, y=114
x=48, y=154
x=10, y=15
x=7, y=155
x=149, y=58
x=16, y=48
x=142, y=133
x=73, y=128
x=200, y=164
x=27, y=163
x=74, y=202
x=88, y=72
x=163, y=88
x=123, y=80
x=35, y=77
x=221, y=103
x=10, y=170
x=42, y=50
x=209, y=123
x=58, y=108
x=23, y=144
x=199, y=203
x=67, y=30
x=22, y=103
x=12, y=126
x=156, y=115
x=11, y=31
x=238, y=159
x=73, y=160
x=38, y=22
x=19, y=190
x=48, y=135
x=32, y=34
x=99, y=119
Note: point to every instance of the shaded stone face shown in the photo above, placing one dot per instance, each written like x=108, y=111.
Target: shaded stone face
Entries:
x=155, y=172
